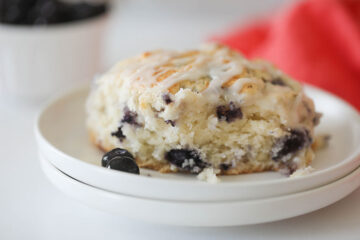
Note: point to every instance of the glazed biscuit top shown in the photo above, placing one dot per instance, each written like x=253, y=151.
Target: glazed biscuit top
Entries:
x=217, y=74
x=207, y=70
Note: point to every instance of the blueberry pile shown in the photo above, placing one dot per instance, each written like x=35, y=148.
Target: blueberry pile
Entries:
x=41, y=12
x=120, y=159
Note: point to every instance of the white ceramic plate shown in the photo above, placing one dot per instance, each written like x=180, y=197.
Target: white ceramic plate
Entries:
x=63, y=140
x=204, y=213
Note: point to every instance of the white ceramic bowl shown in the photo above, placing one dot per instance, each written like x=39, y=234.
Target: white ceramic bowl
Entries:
x=204, y=213
x=38, y=61
x=63, y=140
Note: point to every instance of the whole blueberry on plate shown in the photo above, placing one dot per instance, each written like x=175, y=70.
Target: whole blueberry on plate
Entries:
x=123, y=163
x=116, y=152
x=120, y=159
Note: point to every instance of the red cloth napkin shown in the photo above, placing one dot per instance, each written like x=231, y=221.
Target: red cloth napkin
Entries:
x=314, y=41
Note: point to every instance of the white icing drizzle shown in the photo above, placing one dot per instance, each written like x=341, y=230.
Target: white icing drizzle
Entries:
x=216, y=63
x=208, y=63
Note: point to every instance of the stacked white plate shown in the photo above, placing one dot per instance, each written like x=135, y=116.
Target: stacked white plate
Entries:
x=72, y=163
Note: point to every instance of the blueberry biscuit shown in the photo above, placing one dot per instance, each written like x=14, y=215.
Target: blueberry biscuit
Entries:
x=207, y=108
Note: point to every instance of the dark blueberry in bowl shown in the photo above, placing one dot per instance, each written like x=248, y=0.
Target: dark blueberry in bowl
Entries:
x=41, y=12
x=124, y=164
x=186, y=159
x=116, y=152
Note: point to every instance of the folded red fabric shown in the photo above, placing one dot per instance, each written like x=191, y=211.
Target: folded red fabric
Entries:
x=314, y=41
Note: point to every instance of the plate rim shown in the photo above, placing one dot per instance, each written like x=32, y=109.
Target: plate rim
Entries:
x=43, y=142
x=290, y=197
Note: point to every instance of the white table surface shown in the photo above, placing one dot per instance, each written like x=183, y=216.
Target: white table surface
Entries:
x=32, y=208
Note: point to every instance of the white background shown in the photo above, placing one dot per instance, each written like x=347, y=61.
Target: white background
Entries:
x=31, y=208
